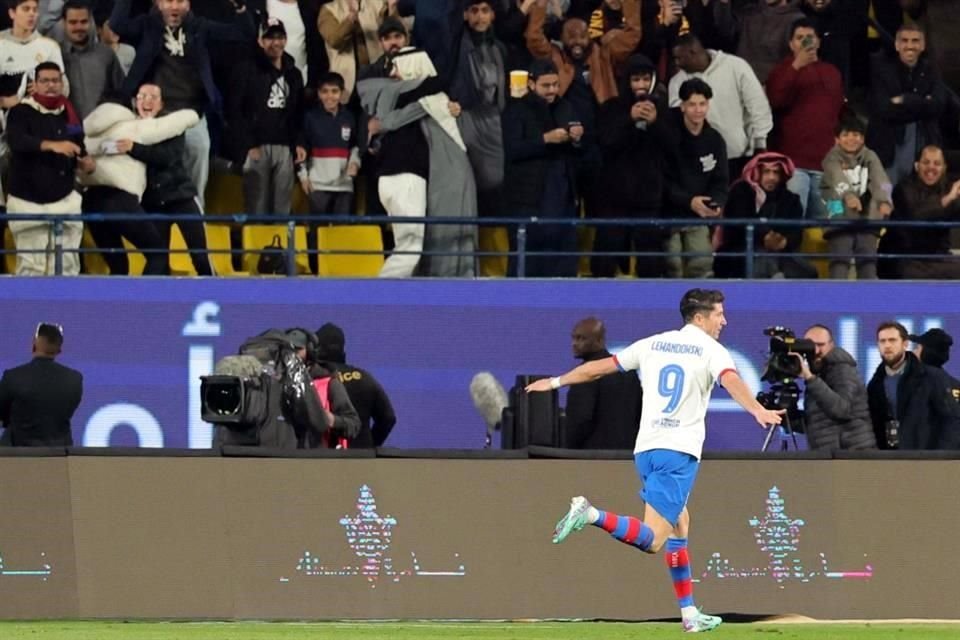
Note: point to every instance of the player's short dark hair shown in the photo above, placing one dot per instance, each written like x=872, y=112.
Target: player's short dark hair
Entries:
x=821, y=326
x=700, y=301
x=333, y=79
x=76, y=5
x=850, y=124
x=892, y=324
x=695, y=86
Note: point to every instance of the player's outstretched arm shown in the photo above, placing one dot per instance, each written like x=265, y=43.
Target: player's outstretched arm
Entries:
x=587, y=372
x=740, y=392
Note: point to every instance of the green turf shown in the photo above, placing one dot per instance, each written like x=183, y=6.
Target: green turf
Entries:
x=443, y=631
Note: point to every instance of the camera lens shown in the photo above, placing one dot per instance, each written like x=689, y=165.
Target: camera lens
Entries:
x=223, y=399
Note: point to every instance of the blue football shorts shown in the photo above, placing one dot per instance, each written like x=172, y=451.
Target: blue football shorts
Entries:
x=668, y=478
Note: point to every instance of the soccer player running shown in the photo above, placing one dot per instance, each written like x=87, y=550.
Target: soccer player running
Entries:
x=677, y=370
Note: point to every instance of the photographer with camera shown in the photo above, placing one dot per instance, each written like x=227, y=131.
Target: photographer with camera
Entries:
x=341, y=423
x=266, y=395
x=837, y=416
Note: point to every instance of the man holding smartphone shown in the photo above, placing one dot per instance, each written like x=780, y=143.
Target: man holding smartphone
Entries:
x=697, y=179
x=806, y=95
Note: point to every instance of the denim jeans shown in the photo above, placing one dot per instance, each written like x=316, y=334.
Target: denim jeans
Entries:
x=806, y=184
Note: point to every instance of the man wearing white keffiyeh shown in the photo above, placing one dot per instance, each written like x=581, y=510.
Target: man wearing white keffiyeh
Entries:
x=423, y=167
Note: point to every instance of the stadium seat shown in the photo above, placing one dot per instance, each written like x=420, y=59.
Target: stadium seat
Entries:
x=494, y=239
x=349, y=238
x=813, y=243
x=256, y=237
x=218, y=240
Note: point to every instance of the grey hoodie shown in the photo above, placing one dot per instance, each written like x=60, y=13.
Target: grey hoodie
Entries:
x=855, y=174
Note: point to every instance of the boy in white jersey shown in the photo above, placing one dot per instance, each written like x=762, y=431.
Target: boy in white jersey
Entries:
x=22, y=48
x=677, y=370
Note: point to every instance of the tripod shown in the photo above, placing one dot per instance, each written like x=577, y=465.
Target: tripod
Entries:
x=785, y=429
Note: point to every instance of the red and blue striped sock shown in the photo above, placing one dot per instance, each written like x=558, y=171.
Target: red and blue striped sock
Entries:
x=678, y=561
x=626, y=529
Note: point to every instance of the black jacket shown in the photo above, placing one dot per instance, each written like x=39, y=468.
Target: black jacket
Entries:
x=696, y=166
x=37, y=401
x=524, y=123
x=167, y=177
x=346, y=422
x=370, y=401
x=631, y=182
x=39, y=176
x=913, y=200
x=317, y=62
x=604, y=414
x=924, y=101
x=146, y=34
x=782, y=204
x=253, y=117
x=929, y=417
x=837, y=415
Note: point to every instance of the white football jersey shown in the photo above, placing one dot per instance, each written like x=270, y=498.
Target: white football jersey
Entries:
x=677, y=370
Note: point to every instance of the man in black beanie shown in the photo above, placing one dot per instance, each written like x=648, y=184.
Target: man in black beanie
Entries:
x=631, y=183
x=933, y=349
x=366, y=394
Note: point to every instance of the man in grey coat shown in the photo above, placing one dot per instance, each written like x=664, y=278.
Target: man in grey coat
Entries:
x=837, y=414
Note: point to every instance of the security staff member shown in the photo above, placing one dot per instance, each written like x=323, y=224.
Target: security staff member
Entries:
x=604, y=414
x=366, y=394
x=933, y=349
x=38, y=399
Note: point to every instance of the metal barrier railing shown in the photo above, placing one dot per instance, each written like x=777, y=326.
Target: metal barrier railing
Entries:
x=519, y=227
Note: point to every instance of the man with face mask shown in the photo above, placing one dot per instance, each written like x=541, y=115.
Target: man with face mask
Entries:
x=911, y=404
x=835, y=407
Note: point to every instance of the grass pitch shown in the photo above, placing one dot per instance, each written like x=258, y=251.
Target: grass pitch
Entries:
x=56, y=630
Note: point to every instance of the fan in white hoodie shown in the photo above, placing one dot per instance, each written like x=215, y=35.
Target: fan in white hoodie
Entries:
x=111, y=122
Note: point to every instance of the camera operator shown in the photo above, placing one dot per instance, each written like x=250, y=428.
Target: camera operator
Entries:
x=340, y=422
x=837, y=415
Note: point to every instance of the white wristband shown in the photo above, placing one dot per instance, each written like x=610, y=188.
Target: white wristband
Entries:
x=555, y=382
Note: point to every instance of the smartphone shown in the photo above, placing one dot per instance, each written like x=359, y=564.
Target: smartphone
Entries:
x=807, y=42
x=109, y=148
x=712, y=204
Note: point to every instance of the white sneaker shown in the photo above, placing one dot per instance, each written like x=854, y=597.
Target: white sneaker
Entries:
x=575, y=519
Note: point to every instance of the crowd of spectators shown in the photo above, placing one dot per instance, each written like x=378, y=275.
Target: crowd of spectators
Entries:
x=643, y=109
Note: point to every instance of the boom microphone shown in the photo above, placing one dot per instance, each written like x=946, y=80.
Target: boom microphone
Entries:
x=490, y=399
